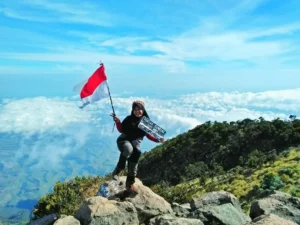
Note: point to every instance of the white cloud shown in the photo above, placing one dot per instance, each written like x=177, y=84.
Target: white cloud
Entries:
x=50, y=148
x=61, y=128
x=45, y=114
x=205, y=44
x=55, y=69
x=39, y=115
x=18, y=15
x=280, y=30
x=86, y=57
x=210, y=42
x=188, y=111
x=225, y=45
x=54, y=11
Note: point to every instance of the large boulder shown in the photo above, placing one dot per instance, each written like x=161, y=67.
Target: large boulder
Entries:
x=146, y=202
x=66, y=220
x=271, y=219
x=219, y=207
x=168, y=219
x=215, y=198
x=225, y=214
x=280, y=204
x=99, y=210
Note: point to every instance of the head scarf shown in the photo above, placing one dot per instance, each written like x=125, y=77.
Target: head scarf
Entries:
x=130, y=124
x=140, y=105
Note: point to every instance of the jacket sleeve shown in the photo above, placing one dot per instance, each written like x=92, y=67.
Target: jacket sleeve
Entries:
x=150, y=137
x=119, y=126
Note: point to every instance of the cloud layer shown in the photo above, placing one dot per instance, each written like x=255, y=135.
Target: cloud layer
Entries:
x=49, y=139
x=39, y=115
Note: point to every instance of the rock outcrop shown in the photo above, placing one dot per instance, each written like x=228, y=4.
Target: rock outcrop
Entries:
x=146, y=202
x=100, y=210
x=148, y=208
x=270, y=219
x=218, y=208
x=280, y=204
x=66, y=220
x=173, y=220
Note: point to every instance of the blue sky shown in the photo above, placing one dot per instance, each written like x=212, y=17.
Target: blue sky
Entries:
x=191, y=45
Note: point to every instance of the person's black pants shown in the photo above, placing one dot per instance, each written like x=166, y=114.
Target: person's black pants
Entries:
x=128, y=152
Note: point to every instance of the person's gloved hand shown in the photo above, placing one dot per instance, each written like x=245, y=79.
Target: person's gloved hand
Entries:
x=115, y=118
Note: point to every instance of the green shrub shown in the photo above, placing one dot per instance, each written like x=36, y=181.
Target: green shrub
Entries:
x=271, y=182
x=296, y=192
x=287, y=171
x=67, y=196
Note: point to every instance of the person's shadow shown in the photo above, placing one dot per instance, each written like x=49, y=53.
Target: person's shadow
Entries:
x=122, y=195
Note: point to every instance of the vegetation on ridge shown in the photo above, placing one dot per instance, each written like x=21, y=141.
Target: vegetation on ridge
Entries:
x=67, y=197
x=212, y=149
x=246, y=184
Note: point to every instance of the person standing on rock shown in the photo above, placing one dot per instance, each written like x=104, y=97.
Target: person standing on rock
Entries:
x=129, y=143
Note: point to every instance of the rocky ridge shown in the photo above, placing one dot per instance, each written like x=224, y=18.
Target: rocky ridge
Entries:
x=148, y=208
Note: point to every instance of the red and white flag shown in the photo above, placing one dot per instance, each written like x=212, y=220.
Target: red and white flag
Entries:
x=95, y=88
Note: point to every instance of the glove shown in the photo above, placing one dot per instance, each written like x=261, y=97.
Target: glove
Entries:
x=115, y=118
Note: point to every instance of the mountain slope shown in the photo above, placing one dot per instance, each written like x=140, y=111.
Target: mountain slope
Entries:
x=211, y=149
x=246, y=184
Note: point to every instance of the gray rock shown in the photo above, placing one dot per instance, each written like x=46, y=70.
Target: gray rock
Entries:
x=101, y=211
x=270, y=219
x=225, y=214
x=147, y=203
x=186, y=206
x=181, y=210
x=219, y=207
x=168, y=219
x=215, y=198
x=67, y=220
x=280, y=204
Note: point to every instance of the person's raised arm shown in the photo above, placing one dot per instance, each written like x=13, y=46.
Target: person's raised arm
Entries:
x=118, y=122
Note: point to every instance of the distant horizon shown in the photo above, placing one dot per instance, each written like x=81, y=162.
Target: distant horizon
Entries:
x=31, y=90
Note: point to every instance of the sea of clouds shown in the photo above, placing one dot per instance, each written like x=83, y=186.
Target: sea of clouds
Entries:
x=44, y=140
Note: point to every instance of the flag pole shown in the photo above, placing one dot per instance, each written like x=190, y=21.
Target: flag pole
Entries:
x=112, y=106
x=111, y=100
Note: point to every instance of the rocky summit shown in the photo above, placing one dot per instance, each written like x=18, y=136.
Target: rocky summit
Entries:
x=148, y=208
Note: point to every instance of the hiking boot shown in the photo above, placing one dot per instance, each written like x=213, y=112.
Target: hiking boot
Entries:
x=116, y=174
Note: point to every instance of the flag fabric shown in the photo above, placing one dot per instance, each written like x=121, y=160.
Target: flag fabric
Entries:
x=95, y=88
